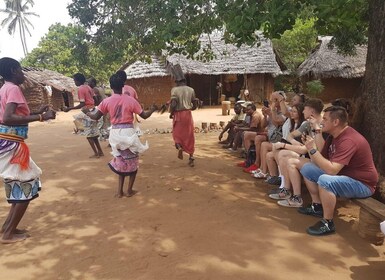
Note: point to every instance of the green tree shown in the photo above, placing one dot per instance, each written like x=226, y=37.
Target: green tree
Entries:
x=67, y=50
x=17, y=16
x=293, y=48
x=296, y=44
x=149, y=26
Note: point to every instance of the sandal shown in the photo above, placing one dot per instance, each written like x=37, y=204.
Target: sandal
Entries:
x=180, y=153
x=191, y=162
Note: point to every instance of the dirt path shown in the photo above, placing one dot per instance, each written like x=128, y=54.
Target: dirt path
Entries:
x=221, y=225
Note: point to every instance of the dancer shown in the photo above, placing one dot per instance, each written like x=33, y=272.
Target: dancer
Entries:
x=124, y=142
x=17, y=169
x=91, y=129
x=126, y=88
x=183, y=101
x=99, y=96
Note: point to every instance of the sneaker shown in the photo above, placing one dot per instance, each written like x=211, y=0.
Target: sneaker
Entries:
x=294, y=201
x=309, y=210
x=321, y=228
x=283, y=194
x=267, y=178
x=259, y=175
x=242, y=164
x=275, y=190
x=250, y=168
x=274, y=180
x=255, y=171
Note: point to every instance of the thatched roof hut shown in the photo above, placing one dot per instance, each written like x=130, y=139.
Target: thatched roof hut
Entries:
x=326, y=62
x=141, y=69
x=340, y=74
x=44, y=86
x=229, y=59
x=251, y=67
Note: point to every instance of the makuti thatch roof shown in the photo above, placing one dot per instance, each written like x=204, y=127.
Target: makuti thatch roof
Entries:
x=50, y=78
x=142, y=69
x=326, y=62
x=228, y=59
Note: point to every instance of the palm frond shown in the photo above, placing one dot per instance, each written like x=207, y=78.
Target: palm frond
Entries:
x=12, y=26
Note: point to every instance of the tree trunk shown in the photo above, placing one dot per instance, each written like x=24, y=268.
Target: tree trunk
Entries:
x=371, y=123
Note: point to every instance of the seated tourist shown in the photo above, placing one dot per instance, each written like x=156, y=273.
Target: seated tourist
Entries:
x=255, y=125
x=343, y=168
x=273, y=119
x=274, y=135
x=292, y=156
x=229, y=128
x=269, y=160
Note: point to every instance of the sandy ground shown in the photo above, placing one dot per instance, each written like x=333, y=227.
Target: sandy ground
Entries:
x=221, y=225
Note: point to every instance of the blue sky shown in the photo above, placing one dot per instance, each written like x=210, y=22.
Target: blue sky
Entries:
x=50, y=11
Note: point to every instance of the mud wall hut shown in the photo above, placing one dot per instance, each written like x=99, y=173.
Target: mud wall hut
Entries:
x=44, y=86
x=341, y=75
x=152, y=81
x=228, y=74
x=233, y=68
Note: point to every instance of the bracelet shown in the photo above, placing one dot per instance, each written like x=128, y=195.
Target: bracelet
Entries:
x=284, y=145
x=40, y=118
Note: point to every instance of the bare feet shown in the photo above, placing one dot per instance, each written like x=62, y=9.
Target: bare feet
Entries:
x=180, y=153
x=94, y=156
x=119, y=195
x=15, y=238
x=101, y=154
x=131, y=193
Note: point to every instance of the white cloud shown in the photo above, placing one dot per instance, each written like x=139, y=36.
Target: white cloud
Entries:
x=50, y=12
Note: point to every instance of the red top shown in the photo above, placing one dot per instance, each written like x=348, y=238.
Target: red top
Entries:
x=352, y=150
x=85, y=94
x=130, y=91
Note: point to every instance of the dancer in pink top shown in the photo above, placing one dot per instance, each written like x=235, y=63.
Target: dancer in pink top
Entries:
x=129, y=90
x=91, y=129
x=20, y=174
x=124, y=142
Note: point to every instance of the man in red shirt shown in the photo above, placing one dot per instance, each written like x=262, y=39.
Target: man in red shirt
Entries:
x=343, y=168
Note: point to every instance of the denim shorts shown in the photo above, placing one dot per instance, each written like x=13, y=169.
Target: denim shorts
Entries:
x=339, y=185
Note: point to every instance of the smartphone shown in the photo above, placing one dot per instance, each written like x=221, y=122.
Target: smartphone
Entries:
x=266, y=103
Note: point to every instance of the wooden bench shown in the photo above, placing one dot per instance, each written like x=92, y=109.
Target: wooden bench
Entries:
x=372, y=213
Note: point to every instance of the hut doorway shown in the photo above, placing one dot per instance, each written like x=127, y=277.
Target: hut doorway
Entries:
x=206, y=89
